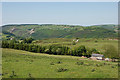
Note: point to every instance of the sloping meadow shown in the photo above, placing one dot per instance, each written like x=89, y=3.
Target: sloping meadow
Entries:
x=22, y=64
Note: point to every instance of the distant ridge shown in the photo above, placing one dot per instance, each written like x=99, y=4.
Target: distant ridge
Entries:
x=42, y=31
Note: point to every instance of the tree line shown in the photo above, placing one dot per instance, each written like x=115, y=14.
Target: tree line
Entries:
x=51, y=49
x=109, y=50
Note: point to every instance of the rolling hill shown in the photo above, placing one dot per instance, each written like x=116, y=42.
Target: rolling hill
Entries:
x=59, y=31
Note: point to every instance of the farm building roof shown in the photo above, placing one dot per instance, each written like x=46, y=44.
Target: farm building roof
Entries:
x=97, y=55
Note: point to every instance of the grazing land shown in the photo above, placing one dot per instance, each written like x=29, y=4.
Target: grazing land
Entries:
x=97, y=43
x=23, y=64
x=58, y=51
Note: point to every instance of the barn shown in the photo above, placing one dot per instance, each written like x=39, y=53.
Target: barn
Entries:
x=98, y=56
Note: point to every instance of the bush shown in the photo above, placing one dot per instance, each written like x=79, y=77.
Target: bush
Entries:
x=13, y=74
x=92, y=70
x=80, y=51
x=59, y=62
x=113, y=67
x=52, y=63
x=96, y=41
x=97, y=65
x=79, y=63
x=62, y=70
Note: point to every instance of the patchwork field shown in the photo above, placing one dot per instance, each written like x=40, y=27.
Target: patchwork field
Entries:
x=22, y=64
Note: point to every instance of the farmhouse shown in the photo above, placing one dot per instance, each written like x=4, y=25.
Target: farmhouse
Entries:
x=97, y=56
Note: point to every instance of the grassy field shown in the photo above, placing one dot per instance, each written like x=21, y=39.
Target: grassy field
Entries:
x=22, y=64
x=88, y=42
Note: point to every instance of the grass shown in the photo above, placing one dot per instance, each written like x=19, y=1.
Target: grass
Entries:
x=23, y=64
x=89, y=43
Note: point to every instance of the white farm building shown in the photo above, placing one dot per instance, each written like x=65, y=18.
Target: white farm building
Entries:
x=97, y=56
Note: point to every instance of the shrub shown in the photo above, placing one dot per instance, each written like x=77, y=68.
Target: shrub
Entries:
x=96, y=41
x=52, y=63
x=97, y=65
x=92, y=70
x=13, y=74
x=30, y=76
x=62, y=70
x=87, y=64
x=59, y=62
x=79, y=63
x=113, y=67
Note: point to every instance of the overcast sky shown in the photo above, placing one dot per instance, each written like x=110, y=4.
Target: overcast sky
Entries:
x=82, y=13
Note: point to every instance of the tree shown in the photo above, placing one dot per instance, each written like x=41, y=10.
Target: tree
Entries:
x=16, y=46
x=80, y=51
x=58, y=51
x=20, y=46
x=28, y=40
x=94, y=51
x=43, y=49
x=11, y=45
x=64, y=50
x=30, y=48
x=88, y=52
x=110, y=51
x=34, y=48
x=26, y=47
x=5, y=44
x=39, y=49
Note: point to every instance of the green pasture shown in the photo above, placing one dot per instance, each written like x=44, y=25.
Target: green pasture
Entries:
x=88, y=42
x=23, y=64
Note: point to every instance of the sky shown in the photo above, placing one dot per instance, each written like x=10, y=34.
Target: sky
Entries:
x=60, y=0
x=74, y=13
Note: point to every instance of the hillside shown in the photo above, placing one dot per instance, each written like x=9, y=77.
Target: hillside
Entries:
x=23, y=64
x=60, y=31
